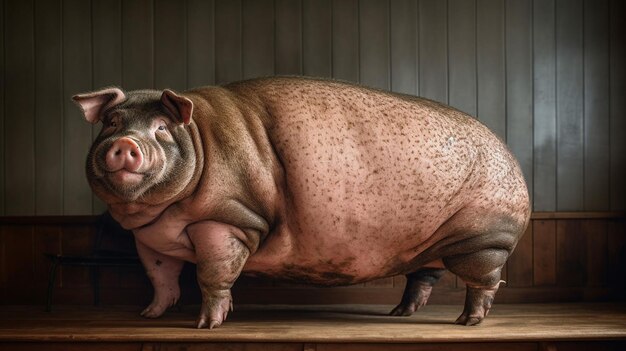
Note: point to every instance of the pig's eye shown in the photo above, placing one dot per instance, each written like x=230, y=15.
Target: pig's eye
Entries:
x=113, y=124
x=161, y=127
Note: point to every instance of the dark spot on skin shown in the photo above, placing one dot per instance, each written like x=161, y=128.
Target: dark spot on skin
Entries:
x=158, y=262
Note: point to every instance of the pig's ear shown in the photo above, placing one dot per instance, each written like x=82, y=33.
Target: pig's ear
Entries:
x=179, y=106
x=95, y=103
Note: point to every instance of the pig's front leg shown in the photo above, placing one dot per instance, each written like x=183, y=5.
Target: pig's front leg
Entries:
x=163, y=272
x=221, y=252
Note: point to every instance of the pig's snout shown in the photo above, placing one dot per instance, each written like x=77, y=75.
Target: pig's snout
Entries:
x=124, y=154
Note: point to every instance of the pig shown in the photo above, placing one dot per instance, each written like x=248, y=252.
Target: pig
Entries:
x=309, y=180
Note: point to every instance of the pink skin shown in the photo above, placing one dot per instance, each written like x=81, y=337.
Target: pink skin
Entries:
x=354, y=185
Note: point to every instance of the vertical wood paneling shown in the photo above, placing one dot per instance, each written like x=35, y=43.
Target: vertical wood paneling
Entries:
x=596, y=95
x=227, y=41
x=544, y=249
x=569, y=105
x=19, y=108
x=490, y=64
x=595, y=232
x=258, y=38
x=345, y=60
x=571, y=267
x=49, y=100
x=544, y=97
x=462, y=58
x=403, y=42
x=107, y=56
x=617, y=254
x=77, y=78
x=137, y=44
x=519, y=89
x=374, y=43
x=2, y=106
x=200, y=43
x=18, y=241
x=433, y=53
x=618, y=104
x=317, y=38
x=288, y=37
x=170, y=46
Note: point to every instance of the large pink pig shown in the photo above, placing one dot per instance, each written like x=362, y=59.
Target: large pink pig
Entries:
x=308, y=180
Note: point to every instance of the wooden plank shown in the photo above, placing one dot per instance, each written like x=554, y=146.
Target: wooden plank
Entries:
x=490, y=65
x=258, y=38
x=19, y=142
x=170, y=44
x=433, y=54
x=2, y=107
x=76, y=240
x=544, y=97
x=77, y=71
x=18, y=241
x=544, y=252
x=403, y=42
x=462, y=58
x=596, y=102
x=288, y=59
x=228, y=53
x=374, y=43
x=595, y=232
x=345, y=32
x=571, y=262
x=200, y=43
x=569, y=100
x=616, y=242
x=46, y=240
x=520, y=264
x=48, y=109
x=317, y=38
x=519, y=85
x=617, y=90
x=107, y=56
x=138, y=44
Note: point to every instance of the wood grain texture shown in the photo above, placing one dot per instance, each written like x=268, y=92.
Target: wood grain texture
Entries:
x=316, y=38
x=2, y=106
x=319, y=324
x=288, y=56
x=170, y=46
x=544, y=97
x=200, y=43
x=258, y=38
x=596, y=102
x=77, y=78
x=569, y=105
x=19, y=121
x=433, y=53
x=490, y=65
x=570, y=254
x=544, y=252
x=520, y=264
x=19, y=264
x=374, y=43
x=617, y=89
x=138, y=44
x=403, y=46
x=616, y=242
x=228, y=59
x=49, y=100
x=462, y=58
x=345, y=49
x=595, y=232
x=519, y=88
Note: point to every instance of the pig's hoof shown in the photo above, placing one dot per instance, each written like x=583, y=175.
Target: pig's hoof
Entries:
x=215, y=309
x=404, y=309
x=467, y=320
x=158, y=307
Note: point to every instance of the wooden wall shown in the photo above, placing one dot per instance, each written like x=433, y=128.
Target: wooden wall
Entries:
x=548, y=76
x=562, y=257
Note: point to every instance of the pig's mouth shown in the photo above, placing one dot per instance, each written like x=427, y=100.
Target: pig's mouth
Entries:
x=125, y=178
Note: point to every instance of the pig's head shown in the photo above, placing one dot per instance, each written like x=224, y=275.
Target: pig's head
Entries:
x=144, y=152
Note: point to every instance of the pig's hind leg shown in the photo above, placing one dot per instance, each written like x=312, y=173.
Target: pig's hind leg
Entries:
x=419, y=284
x=481, y=272
x=163, y=272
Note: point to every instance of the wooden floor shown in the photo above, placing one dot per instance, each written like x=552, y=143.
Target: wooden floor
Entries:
x=312, y=327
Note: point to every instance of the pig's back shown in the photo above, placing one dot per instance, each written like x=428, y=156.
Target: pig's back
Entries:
x=368, y=175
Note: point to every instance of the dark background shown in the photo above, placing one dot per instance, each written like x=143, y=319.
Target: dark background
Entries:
x=547, y=76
